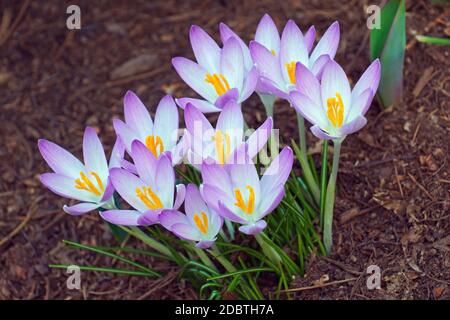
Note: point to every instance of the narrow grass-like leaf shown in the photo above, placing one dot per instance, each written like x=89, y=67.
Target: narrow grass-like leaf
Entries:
x=433, y=40
x=101, y=269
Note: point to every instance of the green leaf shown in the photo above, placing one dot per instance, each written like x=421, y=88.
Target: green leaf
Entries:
x=388, y=44
x=433, y=40
x=101, y=269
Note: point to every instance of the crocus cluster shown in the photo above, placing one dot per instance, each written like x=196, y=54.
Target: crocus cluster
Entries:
x=142, y=166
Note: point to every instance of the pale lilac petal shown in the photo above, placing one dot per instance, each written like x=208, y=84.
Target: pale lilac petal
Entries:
x=250, y=83
x=231, y=121
x=216, y=175
x=194, y=203
x=258, y=139
x=65, y=187
x=185, y=231
x=226, y=33
x=253, y=229
x=168, y=218
x=94, y=154
x=202, y=105
x=226, y=213
x=109, y=190
x=267, y=34
x=360, y=104
x=212, y=194
x=328, y=44
x=232, y=63
x=121, y=217
x=137, y=116
x=271, y=201
x=334, y=80
x=117, y=154
x=308, y=109
x=180, y=149
x=243, y=176
x=126, y=184
x=180, y=196
x=293, y=48
x=81, y=208
x=317, y=66
x=267, y=64
x=166, y=122
x=307, y=83
x=277, y=173
x=144, y=162
x=205, y=244
x=165, y=181
x=194, y=76
x=149, y=217
x=232, y=94
x=206, y=50
x=353, y=126
x=196, y=122
x=267, y=86
x=319, y=133
x=126, y=134
x=60, y=160
x=310, y=36
x=369, y=80
x=127, y=165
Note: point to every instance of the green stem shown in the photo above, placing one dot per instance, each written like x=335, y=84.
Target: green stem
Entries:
x=223, y=261
x=330, y=197
x=204, y=257
x=138, y=233
x=323, y=180
x=268, y=250
x=268, y=101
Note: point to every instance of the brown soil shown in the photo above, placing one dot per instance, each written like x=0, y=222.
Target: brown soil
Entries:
x=393, y=200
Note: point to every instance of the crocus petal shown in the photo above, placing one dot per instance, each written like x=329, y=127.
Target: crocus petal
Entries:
x=253, y=229
x=81, y=208
x=206, y=50
x=250, y=83
x=328, y=44
x=121, y=217
x=185, y=231
x=127, y=165
x=180, y=196
x=268, y=65
x=213, y=195
x=277, y=173
x=181, y=148
x=166, y=122
x=194, y=203
x=267, y=34
x=319, y=133
x=308, y=109
x=226, y=213
x=232, y=94
x=317, y=66
x=65, y=187
x=205, y=244
x=168, y=218
x=309, y=37
x=307, y=84
x=126, y=184
x=144, y=161
x=165, y=180
x=194, y=76
x=267, y=86
x=117, y=154
x=335, y=81
x=360, y=104
x=258, y=139
x=94, y=154
x=60, y=160
x=353, y=126
x=231, y=121
x=196, y=122
x=232, y=63
x=369, y=80
x=149, y=217
x=202, y=105
x=136, y=115
x=125, y=133
x=293, y=48
x=109, y=190
x=243, y=176
x=216, y=175
x=226, y=33
x=271, y=201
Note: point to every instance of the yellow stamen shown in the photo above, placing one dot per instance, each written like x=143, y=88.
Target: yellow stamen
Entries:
x=222, y=152
x=149, y=198
x=219, y=82
x=291, y=71
x=84, y=183
x=202, y=224
x=273, y=52
x=154, y=143
x=240, y=203
x=335, y=110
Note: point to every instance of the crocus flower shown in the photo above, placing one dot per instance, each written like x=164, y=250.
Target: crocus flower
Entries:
x=276, y=58
x=219, y=74
x=200, y=223
x=222, y=143
x=330, y=105
x=159, y=137
x=149, y=193
x=88, y=182
x=239, y=195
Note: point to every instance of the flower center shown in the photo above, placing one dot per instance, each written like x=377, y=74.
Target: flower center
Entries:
x=240, y=203
x=149, y=198
x=290, y=67
x=219, y=82
x=335, y=110
x=223, y=149
x=202, y=223
x=84, y=183
x=154, y=143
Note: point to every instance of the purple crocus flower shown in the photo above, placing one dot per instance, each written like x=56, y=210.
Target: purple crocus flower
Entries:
x=330, y=105
x=219, y=74
x=159, y=137
x=148, y=193
x=239, y=195
x=276, y=58
x=200, y=223
x=222, y=143
x=88, y=182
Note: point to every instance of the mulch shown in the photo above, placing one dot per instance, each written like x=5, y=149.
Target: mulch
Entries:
x=393, y=197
